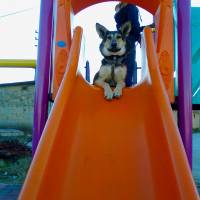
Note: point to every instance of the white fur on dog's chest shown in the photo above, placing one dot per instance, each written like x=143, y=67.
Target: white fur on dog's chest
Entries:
x=119, y=72
x=105, y=72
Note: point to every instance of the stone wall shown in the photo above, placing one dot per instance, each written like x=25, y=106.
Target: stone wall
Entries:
x=16, y=106
x=195, y=119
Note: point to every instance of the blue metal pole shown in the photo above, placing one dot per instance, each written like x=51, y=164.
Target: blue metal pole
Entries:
x=87, y=71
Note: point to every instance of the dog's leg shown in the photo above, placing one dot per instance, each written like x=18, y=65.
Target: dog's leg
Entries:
x=104, y=74
x=119, y=76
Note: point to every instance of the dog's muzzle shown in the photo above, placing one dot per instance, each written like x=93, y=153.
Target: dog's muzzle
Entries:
x=114, y=49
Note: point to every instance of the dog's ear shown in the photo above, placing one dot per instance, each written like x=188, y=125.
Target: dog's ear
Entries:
x=126, y=28
x=101, y=30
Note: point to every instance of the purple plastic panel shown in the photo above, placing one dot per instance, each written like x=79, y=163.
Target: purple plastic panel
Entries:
x=185, y=76
x=42, y=71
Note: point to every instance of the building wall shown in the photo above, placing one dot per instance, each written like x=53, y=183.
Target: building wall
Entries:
x=16, y=105
x=195, y=119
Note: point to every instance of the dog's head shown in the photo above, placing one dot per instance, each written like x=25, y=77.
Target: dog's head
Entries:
x=114, y=43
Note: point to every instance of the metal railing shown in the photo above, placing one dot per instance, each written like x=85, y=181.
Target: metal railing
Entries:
x=17, y=63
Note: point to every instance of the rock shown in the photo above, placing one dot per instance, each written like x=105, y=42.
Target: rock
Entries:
x=11, y=133
x=13, y=150
x=29, y=145
x=2, y=163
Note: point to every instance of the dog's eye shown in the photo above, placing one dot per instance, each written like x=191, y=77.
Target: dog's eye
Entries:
x=119, y=37
x=109, y=37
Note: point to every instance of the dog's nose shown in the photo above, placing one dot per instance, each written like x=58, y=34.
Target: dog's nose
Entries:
x=114, y=44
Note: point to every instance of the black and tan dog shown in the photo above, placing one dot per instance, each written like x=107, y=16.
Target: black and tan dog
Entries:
x=114, y=48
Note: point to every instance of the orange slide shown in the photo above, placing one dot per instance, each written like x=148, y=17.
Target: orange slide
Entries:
x=126, y=149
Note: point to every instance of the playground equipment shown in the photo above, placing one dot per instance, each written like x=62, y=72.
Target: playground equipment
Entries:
x=17, y=63
x=94, y=149
x=195, y=26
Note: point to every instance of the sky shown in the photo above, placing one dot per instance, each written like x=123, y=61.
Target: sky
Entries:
x=195, y=3
x=20, y=18
x=18, y=21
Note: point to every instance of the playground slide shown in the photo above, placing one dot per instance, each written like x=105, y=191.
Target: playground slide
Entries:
x=125, y=149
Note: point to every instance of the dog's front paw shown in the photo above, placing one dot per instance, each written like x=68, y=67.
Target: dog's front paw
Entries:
x=117, y=92
x=108, y=93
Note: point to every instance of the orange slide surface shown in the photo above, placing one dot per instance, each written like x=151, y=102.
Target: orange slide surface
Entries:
x=125, y=149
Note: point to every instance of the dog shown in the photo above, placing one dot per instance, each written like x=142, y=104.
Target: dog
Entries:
x=114, y=47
